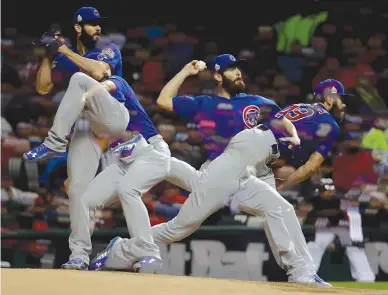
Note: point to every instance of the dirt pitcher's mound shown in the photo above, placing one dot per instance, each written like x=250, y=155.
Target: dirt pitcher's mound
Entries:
x=67, y=282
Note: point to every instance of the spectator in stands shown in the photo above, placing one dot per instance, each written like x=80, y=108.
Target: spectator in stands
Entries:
x=9, y=193
x=17, y=145
x=376, y=138
x=6, y=128
x=153, y=71
x=169, y=204
x=292, y=64
x=380, y=165
x=180, y=51
x=374, y=209
x=110, y=35
x=370, y=95
x=168, y=132
x=353, y=166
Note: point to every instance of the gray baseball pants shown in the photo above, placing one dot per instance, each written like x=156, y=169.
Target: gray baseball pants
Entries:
x=84, y=96
x=212, y=188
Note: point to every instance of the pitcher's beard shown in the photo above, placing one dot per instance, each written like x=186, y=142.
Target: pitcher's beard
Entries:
x=88, y=41
x=337, y=114
x=231, y=87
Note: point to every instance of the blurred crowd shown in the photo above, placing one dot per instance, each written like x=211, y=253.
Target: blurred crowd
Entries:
x=286, y=60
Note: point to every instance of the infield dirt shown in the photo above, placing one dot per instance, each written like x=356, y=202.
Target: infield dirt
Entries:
x=68, y=282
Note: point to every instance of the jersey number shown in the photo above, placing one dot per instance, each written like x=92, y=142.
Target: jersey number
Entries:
x=295, y=113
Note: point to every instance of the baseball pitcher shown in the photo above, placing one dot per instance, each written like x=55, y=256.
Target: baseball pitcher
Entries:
x=317, y=124
x=184, y=226
x=143, y=162
x=84, y=151
x=228, y=113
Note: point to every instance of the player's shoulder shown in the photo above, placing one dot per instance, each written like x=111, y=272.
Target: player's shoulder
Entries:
x=304, y=105
x=111, y=46
x=323, y=113
x=243, y=95
x=268, y=101
x=206, y=97
x=110, y=50
x=211, y=102
x=256, y=98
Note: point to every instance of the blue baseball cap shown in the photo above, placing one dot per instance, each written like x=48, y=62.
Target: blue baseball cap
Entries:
x=335, y=85
x=223, y=61
x=86, y=14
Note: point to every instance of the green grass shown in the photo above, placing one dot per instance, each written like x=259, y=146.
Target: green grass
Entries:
x=375, y=286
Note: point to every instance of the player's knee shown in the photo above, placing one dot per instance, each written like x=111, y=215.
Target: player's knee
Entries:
x=185, y=223
x=288, y=207
x=78, y=78
x=71, y=191
x=75, y=190
x=273, y=209
x=279, y=201
x=84, y=199
x=128, y=194
x=89, y=202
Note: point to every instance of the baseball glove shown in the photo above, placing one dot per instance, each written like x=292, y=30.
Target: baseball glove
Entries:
x=51, y=41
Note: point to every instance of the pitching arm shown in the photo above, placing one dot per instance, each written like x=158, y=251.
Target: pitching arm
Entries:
x=294, y=140
x=302, y=173
x=96, y=69
x=165, y=99
x=290, y=127
x=169, y=91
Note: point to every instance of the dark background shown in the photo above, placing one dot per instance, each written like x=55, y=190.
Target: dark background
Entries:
x=229, y=23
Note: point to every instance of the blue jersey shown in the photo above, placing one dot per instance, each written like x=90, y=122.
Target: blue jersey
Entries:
x=219, y=118
x=316, y=128
x=109, y=54
x=139, y=120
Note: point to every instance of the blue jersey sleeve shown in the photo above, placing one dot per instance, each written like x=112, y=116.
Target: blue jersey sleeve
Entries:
x=186, y=106
x=270, y=110
x=331, y=133
x=111, y=55
x=274, y=109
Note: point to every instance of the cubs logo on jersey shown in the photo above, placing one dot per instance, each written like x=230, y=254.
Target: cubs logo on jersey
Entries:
x=251, y=116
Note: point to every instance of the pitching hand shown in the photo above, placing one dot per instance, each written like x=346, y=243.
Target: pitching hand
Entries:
x=192, y=68
x=293, y=141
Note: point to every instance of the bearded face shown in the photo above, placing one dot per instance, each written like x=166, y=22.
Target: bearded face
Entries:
x=232, y=81
x=90, y=34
